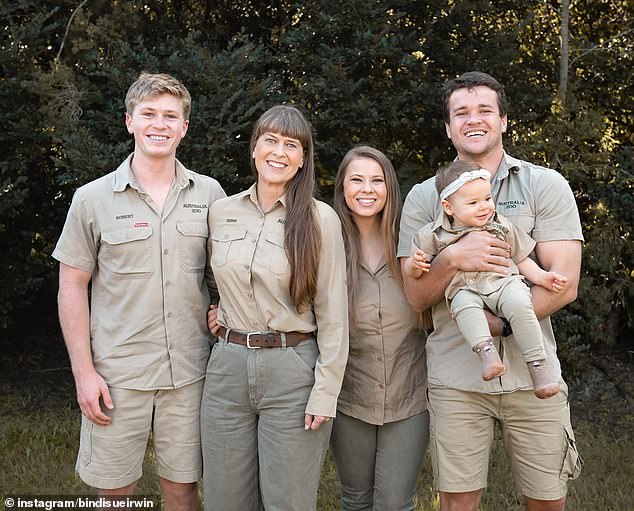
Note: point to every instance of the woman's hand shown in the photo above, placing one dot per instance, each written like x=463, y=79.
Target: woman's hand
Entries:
x=212, y=319
x=314, y=421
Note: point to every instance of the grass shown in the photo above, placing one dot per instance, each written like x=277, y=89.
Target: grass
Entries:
x=39, y=433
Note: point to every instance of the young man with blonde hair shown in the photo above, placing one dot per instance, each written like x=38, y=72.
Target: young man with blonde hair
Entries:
x=138, y=237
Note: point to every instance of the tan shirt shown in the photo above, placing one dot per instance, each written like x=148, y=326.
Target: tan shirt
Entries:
x=386, y=376
x=149, y=294
x=538, y=201
x=436, y=236
x=253, y=276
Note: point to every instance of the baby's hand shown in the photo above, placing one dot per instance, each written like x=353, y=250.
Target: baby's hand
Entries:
x=421, y=260
x=417, y=264
x=555, y=282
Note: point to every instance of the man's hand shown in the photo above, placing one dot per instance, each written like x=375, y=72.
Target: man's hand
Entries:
x=90, y=389
x=481, y=251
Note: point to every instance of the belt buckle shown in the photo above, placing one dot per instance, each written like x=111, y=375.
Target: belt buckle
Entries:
x=249, y=334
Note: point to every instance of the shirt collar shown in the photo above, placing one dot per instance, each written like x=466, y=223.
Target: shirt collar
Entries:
x=507, y=165
x=252, y=194
x=124, y=176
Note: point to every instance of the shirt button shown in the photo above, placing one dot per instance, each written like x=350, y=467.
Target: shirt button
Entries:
x=165, y=251
x=169, y=314
x=380, y=359
x=381, y=385
x=167, y=283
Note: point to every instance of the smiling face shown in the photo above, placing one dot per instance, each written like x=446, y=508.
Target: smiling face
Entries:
x=158, y=125
x=472, y=204
x=277, y=159
x=364, y=188
x=475, y=125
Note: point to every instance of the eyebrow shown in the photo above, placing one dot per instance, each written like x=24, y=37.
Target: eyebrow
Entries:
x=277, y=135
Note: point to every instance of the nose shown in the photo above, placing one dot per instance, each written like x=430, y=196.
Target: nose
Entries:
x=278, y=149
x=367, y=186
x=159, y=121
x=474, y=117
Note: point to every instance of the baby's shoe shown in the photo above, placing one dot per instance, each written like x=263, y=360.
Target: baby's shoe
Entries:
x=492, y=366
x=543, y=383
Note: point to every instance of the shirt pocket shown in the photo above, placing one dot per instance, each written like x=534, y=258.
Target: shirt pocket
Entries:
x=524, y=222
x=127, y=253
x=193, y=245
x=225, y=245
x=276, y=253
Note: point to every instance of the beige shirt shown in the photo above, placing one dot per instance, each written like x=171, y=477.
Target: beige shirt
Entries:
x=149, y=294
x=538, y=201
x=436, y=236
x=386, y=377
x=253, y=276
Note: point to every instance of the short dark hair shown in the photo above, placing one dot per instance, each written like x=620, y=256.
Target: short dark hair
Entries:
x=469, y=81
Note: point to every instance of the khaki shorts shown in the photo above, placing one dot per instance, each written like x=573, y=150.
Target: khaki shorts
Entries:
x=112, y=456
x=538, y=440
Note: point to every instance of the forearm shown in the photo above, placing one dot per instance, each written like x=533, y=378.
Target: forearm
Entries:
x=532, y=271
x=564, y=258
x=74, y=318
x=75, y=323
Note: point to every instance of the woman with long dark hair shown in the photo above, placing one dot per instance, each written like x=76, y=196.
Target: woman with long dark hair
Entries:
x=274, y=375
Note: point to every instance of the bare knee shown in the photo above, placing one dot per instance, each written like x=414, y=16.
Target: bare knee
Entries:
x=545, y=505
x=180, y=496
x=118, y=492
x=466, y=501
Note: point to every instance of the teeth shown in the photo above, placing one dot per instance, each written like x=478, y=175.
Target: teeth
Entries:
x=158, y=138
x=367, y=201
x=276, y=164
x=476, y=134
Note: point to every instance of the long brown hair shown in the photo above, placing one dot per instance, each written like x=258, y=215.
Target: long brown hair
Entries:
x=390, y=219
x=302, y=236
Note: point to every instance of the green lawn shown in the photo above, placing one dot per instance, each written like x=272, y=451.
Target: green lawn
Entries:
x=39, y=432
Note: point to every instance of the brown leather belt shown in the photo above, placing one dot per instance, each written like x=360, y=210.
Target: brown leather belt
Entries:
x=255, y=340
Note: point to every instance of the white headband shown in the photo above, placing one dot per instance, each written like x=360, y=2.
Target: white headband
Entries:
x=464, y=178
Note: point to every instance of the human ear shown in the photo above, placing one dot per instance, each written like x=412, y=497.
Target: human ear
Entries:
x=446, y=205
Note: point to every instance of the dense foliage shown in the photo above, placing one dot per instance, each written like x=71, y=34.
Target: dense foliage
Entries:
x=364, y=71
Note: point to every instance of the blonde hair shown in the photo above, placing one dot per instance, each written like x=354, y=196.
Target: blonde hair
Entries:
x=148, y=85
x=390, y=218
x=302, y=235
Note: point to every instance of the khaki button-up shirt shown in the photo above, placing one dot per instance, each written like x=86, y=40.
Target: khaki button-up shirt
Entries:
x=432, y=238
x=253, y=276
x=386, y=377
x=537, y=201
x=150, y=279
